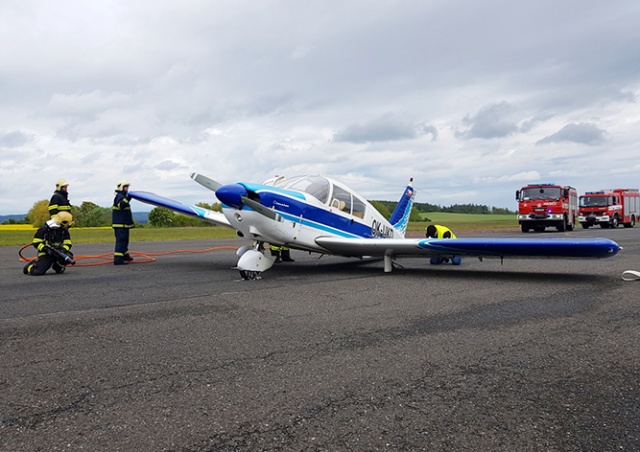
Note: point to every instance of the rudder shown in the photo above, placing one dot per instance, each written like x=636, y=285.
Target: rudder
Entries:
x=400, y=216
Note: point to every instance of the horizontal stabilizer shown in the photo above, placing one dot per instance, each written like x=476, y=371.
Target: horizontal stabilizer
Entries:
x=179, y=207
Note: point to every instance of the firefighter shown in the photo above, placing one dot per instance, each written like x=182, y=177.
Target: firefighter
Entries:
x=436, y=231
x=53, y=243
x=122, y=222
x=281, y=253
x=59, y=202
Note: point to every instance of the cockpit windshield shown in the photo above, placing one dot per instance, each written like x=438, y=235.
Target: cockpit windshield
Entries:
x=594, y=201
x=314, y=185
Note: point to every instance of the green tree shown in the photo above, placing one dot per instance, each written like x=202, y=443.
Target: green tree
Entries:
x=415, y=215
x=98, y=216
x=215, y=206
x=85, y=215
x=39, y=213
x=382, y=208
x=160, y=217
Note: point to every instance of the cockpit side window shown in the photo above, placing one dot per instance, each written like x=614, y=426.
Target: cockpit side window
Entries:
x=341, y=199
x=358, y=207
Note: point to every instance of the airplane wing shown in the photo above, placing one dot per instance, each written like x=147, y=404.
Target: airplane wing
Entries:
x=596, y=248
x=177, y=206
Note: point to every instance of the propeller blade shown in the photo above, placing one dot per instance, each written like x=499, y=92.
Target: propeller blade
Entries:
x=205, y=181
x=255, y=205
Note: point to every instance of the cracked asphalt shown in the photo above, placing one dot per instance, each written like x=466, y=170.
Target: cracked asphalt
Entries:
x=324, y=354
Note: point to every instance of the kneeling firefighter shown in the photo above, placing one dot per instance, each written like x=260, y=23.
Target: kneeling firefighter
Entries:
x=53, y=243
x=436, y=231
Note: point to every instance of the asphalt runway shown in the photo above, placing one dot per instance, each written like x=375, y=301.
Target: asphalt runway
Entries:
x=324, y=354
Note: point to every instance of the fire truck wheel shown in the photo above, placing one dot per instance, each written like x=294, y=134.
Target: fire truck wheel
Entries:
x=615, y=222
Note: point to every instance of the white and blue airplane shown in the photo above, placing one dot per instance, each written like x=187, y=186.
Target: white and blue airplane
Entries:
x=321, y=215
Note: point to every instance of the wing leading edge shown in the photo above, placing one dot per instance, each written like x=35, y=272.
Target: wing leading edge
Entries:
x=597, y=248
x=177, y=206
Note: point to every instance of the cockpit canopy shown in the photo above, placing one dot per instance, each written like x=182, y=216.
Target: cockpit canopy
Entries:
x=325, y=191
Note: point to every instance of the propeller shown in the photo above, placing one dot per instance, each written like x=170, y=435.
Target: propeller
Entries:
x=205, y=181
x=255, y=205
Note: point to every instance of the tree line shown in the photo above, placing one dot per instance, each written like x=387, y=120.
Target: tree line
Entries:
x=90, y=215
x=423, y=207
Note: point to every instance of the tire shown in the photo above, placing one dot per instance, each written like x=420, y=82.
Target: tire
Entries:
x=632, y=223
x=585, y=225
x=563, y=225
x=615, y=222
x=248, y=275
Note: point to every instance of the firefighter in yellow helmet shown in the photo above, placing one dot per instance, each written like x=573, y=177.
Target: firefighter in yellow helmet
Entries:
x=53, y=243
x=436, y=231
x=122, y=222
x=59, y=201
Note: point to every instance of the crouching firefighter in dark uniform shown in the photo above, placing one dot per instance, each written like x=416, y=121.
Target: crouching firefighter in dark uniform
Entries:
x=53, y=243
x=122, y=221
x=436, y=231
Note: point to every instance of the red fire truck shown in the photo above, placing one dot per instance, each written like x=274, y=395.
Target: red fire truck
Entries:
x=542, y=205
x=609, y=208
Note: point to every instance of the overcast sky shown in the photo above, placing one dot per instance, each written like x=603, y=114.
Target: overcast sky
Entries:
x=471, y=98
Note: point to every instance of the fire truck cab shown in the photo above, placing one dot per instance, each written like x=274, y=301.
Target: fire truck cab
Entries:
x=609, y=208
x=543, y=205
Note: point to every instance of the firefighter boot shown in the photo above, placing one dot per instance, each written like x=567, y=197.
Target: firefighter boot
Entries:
x=277, y=255
x=286, y=256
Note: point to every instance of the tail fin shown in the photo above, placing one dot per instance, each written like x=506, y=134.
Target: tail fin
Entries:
x=400, y=216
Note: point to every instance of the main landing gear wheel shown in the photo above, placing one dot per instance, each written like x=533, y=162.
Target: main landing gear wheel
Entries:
x=248, y=275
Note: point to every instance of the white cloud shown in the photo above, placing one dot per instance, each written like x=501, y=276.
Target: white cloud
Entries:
x=470, y=99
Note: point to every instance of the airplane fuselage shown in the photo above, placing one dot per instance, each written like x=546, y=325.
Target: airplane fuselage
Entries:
x=301, y=218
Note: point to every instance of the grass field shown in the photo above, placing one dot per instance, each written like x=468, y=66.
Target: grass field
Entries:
x=14, y=235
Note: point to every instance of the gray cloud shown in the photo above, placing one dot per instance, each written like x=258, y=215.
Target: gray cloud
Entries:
x=491, y=121
x=13, y=139
x=581, y=133
x=385, y=128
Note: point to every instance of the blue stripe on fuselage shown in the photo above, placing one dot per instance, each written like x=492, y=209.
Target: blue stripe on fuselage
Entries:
x=292, y=205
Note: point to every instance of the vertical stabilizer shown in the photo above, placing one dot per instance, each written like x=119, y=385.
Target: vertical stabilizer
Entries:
x=400, y=216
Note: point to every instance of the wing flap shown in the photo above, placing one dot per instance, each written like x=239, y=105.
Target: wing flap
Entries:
x=596, y=248
x=177, y=206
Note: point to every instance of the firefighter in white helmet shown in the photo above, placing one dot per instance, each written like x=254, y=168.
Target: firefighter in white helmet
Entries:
x=122, y=222
x=60, y=199
x=53, y=243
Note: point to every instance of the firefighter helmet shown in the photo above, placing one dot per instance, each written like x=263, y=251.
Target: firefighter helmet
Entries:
x=121, y=184
x=61, y=183
x=64, y=219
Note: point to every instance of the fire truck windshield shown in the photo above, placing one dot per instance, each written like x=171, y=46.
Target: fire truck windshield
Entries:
x=540, y=193
x=593, y=201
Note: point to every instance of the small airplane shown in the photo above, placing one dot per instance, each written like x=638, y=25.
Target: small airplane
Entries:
x=322, y=215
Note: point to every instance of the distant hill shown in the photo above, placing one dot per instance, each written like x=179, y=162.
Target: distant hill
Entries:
x=141, y=217
x=16, y=217
x=138, y=217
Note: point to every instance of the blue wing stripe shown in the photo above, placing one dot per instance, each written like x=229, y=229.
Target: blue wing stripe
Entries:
x=524, y=247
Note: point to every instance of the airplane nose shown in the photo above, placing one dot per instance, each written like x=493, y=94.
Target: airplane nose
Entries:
x=231, y=195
